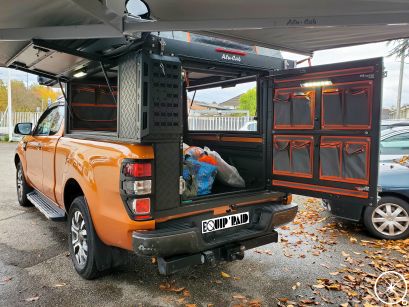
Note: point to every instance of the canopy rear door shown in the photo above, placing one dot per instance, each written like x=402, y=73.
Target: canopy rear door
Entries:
x=325, y=130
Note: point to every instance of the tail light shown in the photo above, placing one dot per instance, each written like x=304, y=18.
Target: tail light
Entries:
x=136, y=187
x=142, y=206
x=138, y=169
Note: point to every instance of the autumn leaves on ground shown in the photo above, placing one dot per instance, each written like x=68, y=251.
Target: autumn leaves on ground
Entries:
x=346, y=276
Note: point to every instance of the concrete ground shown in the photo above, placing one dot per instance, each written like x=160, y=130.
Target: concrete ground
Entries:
x=319, y=261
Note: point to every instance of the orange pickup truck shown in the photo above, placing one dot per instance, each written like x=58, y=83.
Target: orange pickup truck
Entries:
x=109, y=157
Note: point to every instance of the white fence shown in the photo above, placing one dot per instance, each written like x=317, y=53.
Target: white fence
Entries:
x=223, y=123
x=18, y=117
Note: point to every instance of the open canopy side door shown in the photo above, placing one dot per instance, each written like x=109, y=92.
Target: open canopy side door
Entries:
x=324, y=124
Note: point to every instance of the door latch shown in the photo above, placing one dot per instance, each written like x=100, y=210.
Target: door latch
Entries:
x=182, y=185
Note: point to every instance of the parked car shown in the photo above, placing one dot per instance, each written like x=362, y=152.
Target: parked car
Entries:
x=249, y=126
x=390, y=123
x=394, y=143
x=389, y=218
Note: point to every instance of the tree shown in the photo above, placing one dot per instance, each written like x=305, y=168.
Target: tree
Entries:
x=400, y=50
x=3, y=96
x=401, y=47
x=248, y=101
x=43, y=93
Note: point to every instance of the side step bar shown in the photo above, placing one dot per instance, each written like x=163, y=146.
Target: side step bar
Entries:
x=46, y=206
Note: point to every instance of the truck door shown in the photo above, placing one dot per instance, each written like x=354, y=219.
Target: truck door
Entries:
x=324, y=124
x=40, y=149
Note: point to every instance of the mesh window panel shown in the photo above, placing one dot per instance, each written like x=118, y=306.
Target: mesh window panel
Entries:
x=355, y=161
x=330, y=162
x=332, y=108
x=357, y=107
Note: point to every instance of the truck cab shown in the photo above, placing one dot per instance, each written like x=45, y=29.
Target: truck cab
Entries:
x=111, y=156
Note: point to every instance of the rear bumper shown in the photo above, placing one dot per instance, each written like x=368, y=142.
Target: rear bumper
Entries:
x=184, y=236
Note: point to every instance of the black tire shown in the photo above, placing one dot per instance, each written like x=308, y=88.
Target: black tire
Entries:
x=22, y=187
x=375, y=226
x=87, y=268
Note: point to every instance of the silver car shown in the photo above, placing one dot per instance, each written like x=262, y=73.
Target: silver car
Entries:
x=394, y=143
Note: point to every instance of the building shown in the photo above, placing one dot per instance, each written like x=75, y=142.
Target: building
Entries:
x=404, y=112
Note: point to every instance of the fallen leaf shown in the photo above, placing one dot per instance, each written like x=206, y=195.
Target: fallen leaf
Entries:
x=225, y=275
x=239, y=297
x=353, y=240
x=32, y=299
x=345, y=254
x=283, y=299
x=5, y=280
x=335, y=287
x=307, y=302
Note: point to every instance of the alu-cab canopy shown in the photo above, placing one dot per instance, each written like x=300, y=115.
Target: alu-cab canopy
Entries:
x=29, y=27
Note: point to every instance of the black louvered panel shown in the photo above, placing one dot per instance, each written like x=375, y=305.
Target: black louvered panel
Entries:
x=167, y=172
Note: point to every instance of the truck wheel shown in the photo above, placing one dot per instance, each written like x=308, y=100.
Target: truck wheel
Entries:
x=22, y=187
x=82, y=239
x=389, y=219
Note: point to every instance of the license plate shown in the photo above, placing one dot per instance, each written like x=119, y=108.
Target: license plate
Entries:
x=225, y=222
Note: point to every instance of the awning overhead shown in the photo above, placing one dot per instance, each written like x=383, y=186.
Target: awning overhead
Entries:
x=294, y=25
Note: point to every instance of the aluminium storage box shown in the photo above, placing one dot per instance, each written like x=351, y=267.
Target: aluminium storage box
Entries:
x=150, y=98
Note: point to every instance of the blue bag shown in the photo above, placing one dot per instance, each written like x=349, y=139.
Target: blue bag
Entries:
x=201, y=173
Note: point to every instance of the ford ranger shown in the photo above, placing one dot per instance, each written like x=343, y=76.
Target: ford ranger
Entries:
x=108, y=157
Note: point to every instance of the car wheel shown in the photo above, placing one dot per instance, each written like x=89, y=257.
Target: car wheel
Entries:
x=84, y=244
x=22, y=187
x=389, y=219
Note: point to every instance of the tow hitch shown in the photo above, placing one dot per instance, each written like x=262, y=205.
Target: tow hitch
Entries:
x=229, y=252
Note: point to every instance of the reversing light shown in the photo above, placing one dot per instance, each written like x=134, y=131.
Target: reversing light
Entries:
x=316, y=83
x=141, y=206
x=140, y=187
x=139, y=169
x=79, y=74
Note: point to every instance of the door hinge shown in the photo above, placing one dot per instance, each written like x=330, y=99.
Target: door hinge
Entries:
x=182, y=185
x=364, y=189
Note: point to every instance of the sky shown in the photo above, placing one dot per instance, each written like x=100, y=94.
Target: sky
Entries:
x=390, y=83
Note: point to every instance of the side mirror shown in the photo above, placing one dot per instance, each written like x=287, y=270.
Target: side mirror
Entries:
x=23, y=128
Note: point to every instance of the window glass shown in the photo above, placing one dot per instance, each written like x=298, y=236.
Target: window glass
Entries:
x=92, y=106
x=396, y=145
x=51, y=122
x=57, y=120
x=223, y=109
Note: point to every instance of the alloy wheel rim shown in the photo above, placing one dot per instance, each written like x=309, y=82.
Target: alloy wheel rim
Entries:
x=390, y=219
x=79, y=238
x=20, y=183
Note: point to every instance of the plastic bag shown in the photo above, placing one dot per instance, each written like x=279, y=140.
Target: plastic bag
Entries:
x=226, y=173
x=191, y=185
x=201, y=174
x=194, y=152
